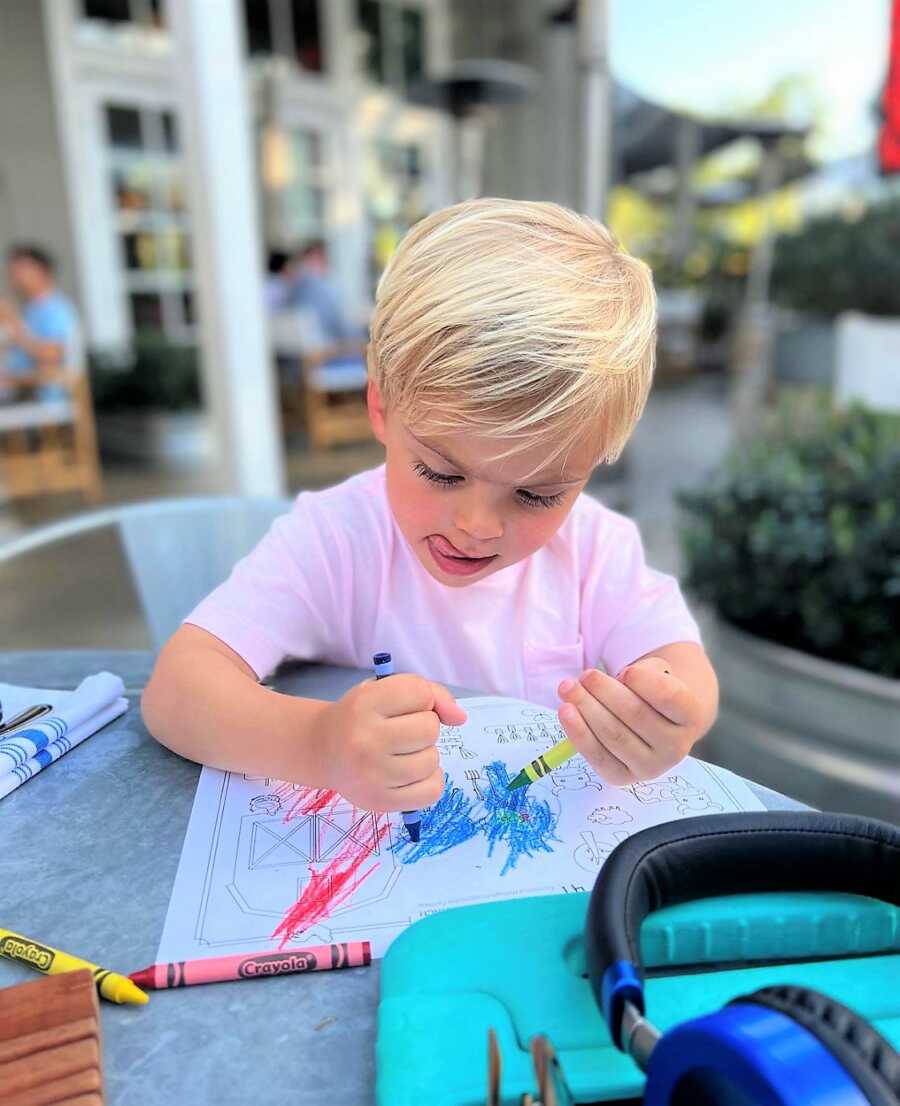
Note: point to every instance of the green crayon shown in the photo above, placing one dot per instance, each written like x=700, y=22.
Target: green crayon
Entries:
x=544, y=764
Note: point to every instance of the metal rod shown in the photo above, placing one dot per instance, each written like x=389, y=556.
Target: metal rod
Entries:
x=639, y=1036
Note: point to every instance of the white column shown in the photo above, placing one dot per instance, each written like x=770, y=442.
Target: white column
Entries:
x=596, y=103
x=239, y=380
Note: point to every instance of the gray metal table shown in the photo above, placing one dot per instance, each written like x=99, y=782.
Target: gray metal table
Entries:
x=88, y=852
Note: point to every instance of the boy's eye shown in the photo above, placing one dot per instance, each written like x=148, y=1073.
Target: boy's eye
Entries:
x=532, y=499
x=435, y=477
x=525, y=497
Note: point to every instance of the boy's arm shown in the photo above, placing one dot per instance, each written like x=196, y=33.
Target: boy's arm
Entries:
x=204, y=702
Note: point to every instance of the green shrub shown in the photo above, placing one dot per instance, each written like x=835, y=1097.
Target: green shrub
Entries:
x=797, y=538
x=836, y=265
x=154, y=373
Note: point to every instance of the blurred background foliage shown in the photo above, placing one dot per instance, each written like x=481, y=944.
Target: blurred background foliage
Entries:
x=797, y=538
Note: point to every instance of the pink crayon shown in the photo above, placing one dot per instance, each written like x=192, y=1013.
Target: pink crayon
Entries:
x=256, y=965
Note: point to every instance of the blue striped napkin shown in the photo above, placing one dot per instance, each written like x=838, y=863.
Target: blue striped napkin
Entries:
x=76, y=715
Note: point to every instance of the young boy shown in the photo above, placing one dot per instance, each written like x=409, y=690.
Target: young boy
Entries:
x=511, y=352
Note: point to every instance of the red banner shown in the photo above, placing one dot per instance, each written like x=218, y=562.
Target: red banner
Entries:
x=889, y=138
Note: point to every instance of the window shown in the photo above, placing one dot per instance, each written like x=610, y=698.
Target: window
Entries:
x=395, y=197
x=393, y=36
x=147, y=190
x=145, y=13
x=287, y=28
x=299, y=188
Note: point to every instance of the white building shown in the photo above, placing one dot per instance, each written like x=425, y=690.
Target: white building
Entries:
x=341, y=154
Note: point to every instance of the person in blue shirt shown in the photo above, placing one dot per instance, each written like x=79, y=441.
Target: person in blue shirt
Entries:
x=42, y=338
x=301, y=281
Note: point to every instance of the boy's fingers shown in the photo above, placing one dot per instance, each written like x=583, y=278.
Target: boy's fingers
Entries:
x=663, y=691
x=414, y=796
x=607, y=766
x=412, y=768
x=403, y=694
x=625, y=703
x=608, y=728
x=410, y=733
x=446, y=707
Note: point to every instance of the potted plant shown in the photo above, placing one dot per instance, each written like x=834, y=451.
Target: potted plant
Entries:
x=795, y=544
x=147, y=400
x=838, y=265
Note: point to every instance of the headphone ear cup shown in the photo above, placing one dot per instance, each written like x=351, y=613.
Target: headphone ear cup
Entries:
x=851, y=1040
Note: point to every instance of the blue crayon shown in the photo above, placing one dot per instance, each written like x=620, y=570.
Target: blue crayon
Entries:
x=384, y=666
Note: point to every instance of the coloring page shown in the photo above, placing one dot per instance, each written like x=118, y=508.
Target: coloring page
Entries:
x=270, y=864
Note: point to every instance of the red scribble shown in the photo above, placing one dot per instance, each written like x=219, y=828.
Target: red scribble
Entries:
x=312, y=802
x=333, y=885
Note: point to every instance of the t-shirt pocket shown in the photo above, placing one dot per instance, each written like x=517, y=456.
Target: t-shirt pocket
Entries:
x=547, y=665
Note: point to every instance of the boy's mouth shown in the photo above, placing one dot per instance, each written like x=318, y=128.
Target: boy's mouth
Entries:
x=451, y=560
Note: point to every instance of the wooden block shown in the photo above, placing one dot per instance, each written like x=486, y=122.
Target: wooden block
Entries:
x=84, y=1086
x=46, y=1003
x=53, y=1063
x=17, y=1047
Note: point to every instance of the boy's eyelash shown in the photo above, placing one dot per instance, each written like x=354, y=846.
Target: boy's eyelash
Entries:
x=435, y=477
x=530, y=499
x=526, y=498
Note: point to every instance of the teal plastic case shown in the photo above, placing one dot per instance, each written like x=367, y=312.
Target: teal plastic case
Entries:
x=518, y=967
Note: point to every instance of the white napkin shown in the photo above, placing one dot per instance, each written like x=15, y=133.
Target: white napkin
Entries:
x=76, y=715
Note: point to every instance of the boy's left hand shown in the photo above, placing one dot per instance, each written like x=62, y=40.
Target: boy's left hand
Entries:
x=634, y=727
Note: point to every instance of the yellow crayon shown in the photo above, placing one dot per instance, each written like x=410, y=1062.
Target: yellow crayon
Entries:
x=111, y=985
x=544, y=764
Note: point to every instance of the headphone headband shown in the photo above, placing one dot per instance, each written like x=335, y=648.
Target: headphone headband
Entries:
x=724, y=854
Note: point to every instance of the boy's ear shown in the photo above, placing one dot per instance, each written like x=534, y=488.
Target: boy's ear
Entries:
x=376, y=409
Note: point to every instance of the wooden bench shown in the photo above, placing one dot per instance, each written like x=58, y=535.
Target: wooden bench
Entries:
x=329, y=400
x=50, y=447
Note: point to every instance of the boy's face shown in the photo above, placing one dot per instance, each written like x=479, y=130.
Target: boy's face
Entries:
x=465, y=514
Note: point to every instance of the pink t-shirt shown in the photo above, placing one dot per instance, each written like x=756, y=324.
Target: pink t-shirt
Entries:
x=335, y=581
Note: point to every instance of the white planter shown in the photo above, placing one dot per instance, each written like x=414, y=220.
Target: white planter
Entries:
x=169, y=439
x=822, y=732
x=804, y=350
x=867, y=368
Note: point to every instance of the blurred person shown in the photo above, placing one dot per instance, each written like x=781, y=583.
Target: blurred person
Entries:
x=42, y=335
x=300, y=282
x=512, y=351
x=298, y=285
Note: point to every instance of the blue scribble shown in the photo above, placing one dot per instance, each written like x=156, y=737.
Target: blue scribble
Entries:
x=512, y=818
x=447, y=823
x=524, y=824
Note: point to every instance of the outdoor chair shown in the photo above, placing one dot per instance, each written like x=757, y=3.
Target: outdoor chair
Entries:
x=330, y=397
x=177, y=550
x=50, y=447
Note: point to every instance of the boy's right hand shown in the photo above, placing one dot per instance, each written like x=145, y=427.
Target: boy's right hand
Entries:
x=379, y=742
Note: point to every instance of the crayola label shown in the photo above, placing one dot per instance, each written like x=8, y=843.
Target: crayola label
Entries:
x=29, y=952
x=276, y=965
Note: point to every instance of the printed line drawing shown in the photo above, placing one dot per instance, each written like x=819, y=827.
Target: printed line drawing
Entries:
x=574, y=775
x=265, y=804
x=610, y=816
x=473, y=776
x=688, y=798
x=593, y=850
x=451, y=740
x=259, y=864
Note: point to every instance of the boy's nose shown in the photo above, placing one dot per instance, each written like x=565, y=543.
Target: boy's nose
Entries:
x=479, y=522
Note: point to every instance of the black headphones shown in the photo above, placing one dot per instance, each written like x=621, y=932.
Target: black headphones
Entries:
x=780, y=1046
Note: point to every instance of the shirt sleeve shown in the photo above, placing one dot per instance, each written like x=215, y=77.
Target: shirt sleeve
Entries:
x=282, y=600
x=628, y=609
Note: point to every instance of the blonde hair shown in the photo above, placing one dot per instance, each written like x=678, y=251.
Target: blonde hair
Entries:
x=520, y=319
